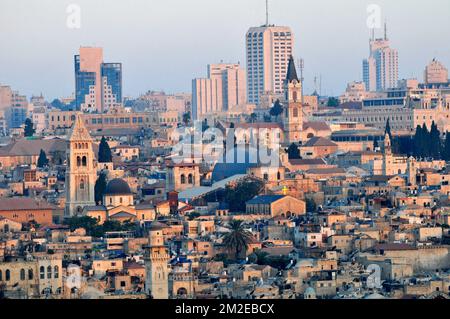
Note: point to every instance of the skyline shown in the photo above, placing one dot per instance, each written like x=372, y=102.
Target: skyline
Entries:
x=159, y=64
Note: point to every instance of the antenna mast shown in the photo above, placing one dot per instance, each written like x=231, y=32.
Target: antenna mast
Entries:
x=267, y=13
x=301, y=63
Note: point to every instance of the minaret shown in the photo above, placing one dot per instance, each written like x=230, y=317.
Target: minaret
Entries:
x=81, y=171
x=293, y=112
x=156, y=264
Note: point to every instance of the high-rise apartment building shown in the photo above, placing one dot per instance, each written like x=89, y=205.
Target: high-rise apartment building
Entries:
x=268, y=51
x=98, y=85
x=380, y=70
x=234, y=83
x=435, y=73
x=224, y=89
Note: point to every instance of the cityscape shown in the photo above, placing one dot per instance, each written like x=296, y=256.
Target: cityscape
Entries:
x=252, y=185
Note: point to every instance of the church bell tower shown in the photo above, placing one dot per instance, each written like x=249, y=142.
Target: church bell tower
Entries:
x=81, y=172
x=293, y=111
x=156, y=264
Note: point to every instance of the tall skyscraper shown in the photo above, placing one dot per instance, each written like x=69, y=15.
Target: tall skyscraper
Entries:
x=435, y=73
x=224, y=89
x=98, y=85
x=380, y=70
x=268, y=51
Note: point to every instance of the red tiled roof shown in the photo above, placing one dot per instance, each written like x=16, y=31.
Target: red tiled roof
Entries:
x=23, y=203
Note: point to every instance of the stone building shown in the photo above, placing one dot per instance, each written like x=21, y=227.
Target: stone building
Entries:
x=81, y=172
x=156, y=263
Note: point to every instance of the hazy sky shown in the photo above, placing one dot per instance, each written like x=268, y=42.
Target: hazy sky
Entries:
x=163, y=44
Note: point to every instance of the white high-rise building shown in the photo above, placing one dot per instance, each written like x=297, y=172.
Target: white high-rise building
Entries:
x=268, y=51
x=223, y=90
x=380, y=70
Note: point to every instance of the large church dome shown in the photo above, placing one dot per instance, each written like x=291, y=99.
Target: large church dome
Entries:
x=117, y=187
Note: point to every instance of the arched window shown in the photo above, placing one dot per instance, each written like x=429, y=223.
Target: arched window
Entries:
x=183, y=179
x=49, y=272
x=22, y=274
x=56, y=272
x=78, y=161
x=121, y=200
x=30, y=274
x=190, y=179
x=266, y=177
x=278, y=176
x=7, y=275
x=294, y=96
x=42, y=272
x=295, y=112
x=84, y=161
x=82, y=184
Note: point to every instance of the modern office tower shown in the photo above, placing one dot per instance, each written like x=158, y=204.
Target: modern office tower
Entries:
x=223, y=90
x=268, y=51
x=98, y=85
x=112, y=84
x=435, y=73
x=380, y=70
x=16, y=114
x=13, y=109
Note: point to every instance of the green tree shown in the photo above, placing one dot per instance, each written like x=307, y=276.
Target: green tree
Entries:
x=293, y=151
x=42, y=160
x=99, y=188
x=253, y=117
x=29, y=128
x=333, y=102
x=86, y=222
x=238, y=239
x=104, y=152
x=186, y=118
x=236, y=196
x=259, y=257
x=418, y=142
x=426, y=141
x=277, y=109
x=435, y=142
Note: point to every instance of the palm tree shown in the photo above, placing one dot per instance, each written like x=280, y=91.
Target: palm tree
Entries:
x=238, y=238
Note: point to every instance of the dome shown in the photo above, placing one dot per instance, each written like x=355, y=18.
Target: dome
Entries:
x=155, y=225
x=374, y=296
x=117, y=187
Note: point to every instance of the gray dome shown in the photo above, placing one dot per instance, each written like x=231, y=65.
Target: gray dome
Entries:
x=118, y=187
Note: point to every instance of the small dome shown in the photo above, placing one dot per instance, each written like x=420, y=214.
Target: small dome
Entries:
x=155, y=225
x=374, y=296
x=118, y=187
